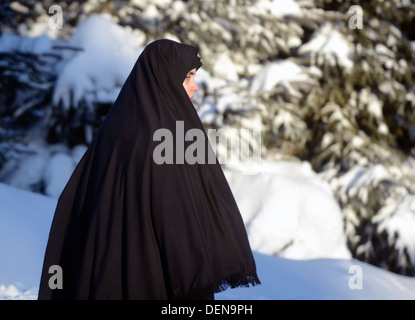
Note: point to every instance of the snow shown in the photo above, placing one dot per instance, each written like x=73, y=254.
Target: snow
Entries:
x=57, y=172
x=278, y=8
x=28, y=171
x=37, y=45
x=49, y=166
x=292, y=208
x=25, y=219
x=329, y=45
x=225, y=69
x=322, y=279
x=288, y=216
x=398, y=217
x=101, y=67
x=283, y=73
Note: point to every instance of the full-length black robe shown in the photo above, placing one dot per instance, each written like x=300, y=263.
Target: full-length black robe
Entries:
x=126, y=227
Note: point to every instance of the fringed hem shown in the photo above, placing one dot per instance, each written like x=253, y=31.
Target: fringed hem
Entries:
x=236, y=281
x=231, y=282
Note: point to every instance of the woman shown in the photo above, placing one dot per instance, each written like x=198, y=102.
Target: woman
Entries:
x=126, y=227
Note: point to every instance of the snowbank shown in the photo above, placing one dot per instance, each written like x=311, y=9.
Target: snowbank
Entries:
x=25, y=219
x=289, y=211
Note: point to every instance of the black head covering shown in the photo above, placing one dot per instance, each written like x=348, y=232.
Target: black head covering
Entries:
x=128, y=228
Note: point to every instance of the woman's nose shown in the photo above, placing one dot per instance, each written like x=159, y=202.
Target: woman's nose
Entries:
x=195, y=87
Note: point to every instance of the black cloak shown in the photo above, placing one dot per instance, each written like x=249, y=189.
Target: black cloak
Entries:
x=126, y=227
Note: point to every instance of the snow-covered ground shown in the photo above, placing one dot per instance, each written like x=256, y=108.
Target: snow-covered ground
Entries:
x=294, y=212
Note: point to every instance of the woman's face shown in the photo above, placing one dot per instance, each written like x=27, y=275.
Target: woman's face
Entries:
x=189, y=83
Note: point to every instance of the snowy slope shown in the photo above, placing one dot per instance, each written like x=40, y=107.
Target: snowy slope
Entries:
x=25, y=219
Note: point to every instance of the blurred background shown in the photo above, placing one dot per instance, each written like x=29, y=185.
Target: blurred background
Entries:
x=328, y=83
